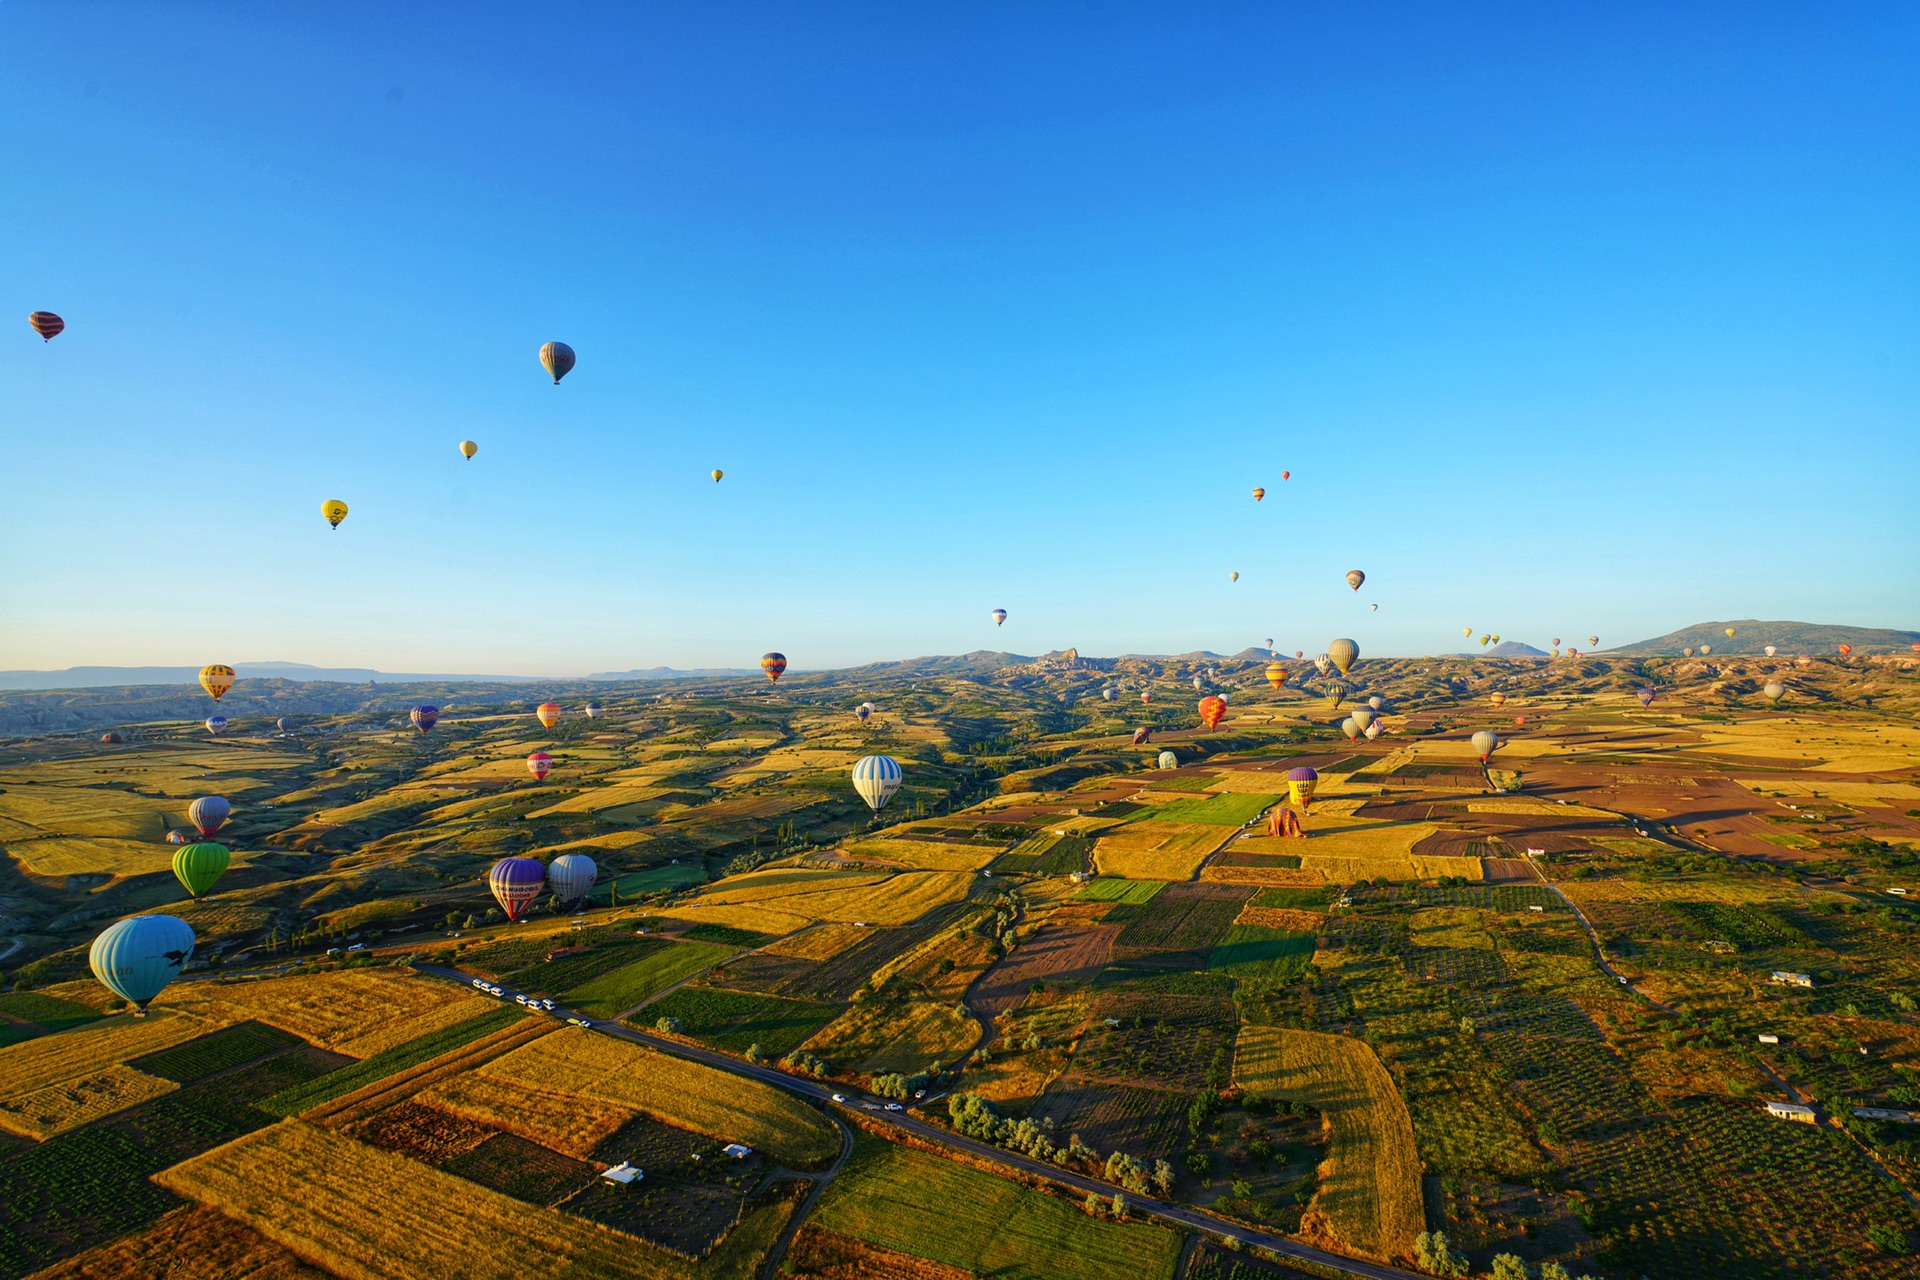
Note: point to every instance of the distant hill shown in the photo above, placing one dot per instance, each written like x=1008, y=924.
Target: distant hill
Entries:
x=120, y=677
x=1752, y=636
x=1513, y=649
x=675, y=673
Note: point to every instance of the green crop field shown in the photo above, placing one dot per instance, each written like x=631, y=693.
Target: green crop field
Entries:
x=924, y=1206
x=335, y=1084
x=738, y=1020
x=614, y=992
x=1112, y=889
x=1229, y=809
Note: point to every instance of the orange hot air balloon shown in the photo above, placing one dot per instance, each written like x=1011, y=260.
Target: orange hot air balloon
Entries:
x=1499, y=699
x=549, y=713
x=216, y=679
x=1259, y=494
x=540, y=764
x=1276, y=674
x=46, y=324
x=1520, y=721
x=1845, y=649
x=773, y=664
x=1212, y=711
x=1286, y=475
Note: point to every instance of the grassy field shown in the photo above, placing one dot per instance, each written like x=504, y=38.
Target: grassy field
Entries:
x=919, y=1204
x=388, y=1062
x=901, y=899
x=928, y=855
x=79, y=1100
x=1133, y=892
x=329, y=1198
x=739, y=1020
x=909, y=1037
x=36, y=1064
x=1248, y=950
x=1369, y=1195
x=1158, y=850
x=613, y=993
x=823, y=942
x=1223, y=809
x=572, y=1088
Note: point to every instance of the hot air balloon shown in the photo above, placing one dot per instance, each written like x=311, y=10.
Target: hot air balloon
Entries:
x=1286, y=475
x=876, y=778
x=1234, y=576
x=861, y=713
x=1343, y=653
x=1363, y=716
x=1803, y=661
x=334, y=510
x=1276, y=674
x=199, y=864
x=1109, y=694
x=1495, y=637
x=1593, y=639
x=717, y=474
x=424, y=718
x=1556, y=642
x=1645, y=696
x=1374, y=607
x=1706, y=649
x=1301, y=782
x=1484, y=745
x=1355, y=578
x=112, y=738
x=1916, y=648
x=1687, y=652
x=1167, y=760
x=216, y=680
x=209, y=813
x=593, y=710
x=558, y=358
x=999, y=617
x=1374, y=730
x=1484, y=641
x=1729, y=633
x=46, y=324
x=1376, y=702
x=540, y=764
x=1323, y=664
x=516, y=882
x=1770, y=650
x=1212, y=711
x=1350, y=727
x=1259, y=494
x=1774, y=690
x=1146, y=695
x=1520, y=722
x=1299, y=653
x=283, y=724
x=179, y=837
x=1845, y=649
x=1499, y=699
x=548, y=713
x=215, y=724
x=571, y=877
x=1140, y=736
x=1198, y=684
x=773, y=664
x=137, y=957
x=468, y=448
x=1466, y=631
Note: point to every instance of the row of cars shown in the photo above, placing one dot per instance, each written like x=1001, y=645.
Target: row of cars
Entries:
x=535, y=1004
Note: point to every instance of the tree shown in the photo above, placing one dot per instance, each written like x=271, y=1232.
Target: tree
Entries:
x=668, y=1026
x=1092, y=1204
x=1554, y=1271
x=1432, y=1254
x=1507, y=1266
x=1198, y=1162
x=1163, y=1177
x=1119, y=1207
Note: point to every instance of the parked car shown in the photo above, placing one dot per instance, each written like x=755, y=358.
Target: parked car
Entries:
x=839, y=1097
x=358, y=946
x=894, y=1106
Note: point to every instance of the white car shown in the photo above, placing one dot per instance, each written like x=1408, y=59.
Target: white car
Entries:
x=894, y=1106
x=839, y=1097
x=546, y=1004
x=519, y=999
x=358, y=946
x=480, y=983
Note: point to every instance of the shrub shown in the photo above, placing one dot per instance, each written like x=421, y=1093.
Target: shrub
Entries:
x=1507, y=1266
x=1891, y=1239
x=668, y=1026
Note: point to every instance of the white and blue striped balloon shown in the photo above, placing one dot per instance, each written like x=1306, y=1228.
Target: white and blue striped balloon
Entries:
x=571, y=877
x=876, y=778
x=215, y=724
x=137, y=957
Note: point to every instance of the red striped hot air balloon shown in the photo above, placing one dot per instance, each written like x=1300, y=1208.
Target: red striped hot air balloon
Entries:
x=558, y=359
x=1845, y=649
x=1276, y=674
x=540, y=764
x=1140, y=736
x=46, y=324
x=425, y=717
x=773, y=664
x=516, y=882
x=1212, y=711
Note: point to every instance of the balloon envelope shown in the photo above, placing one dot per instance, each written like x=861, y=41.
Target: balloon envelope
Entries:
x=216, y=680
x=717, y=474
x=1259, y=494
x=1109, y=694
x=334, y=510
x=862, y=712
x=1349, y=727
x=1276, y=674
x=549, y=714
x=999, y=617
x=1484, y=743
x=46, y=324
x=1363, y=716
x=1343, y=653
x=1771, y=650
x=215, y=724
x=199, y=864
x=424, y=717
x=283, y=724
x=1301, y=782
x=539, y=764
x=179, y=837
x=1140, y=736
x=1774, y=689
x=209, y=813
x=1355, y=578
x=1167, y=760
x=137, y=957
x=571, y=876
x=1212, y=711
x=1373, y=731
x=516, y=882
x=468, y=448
x=1376, y=702
x=876, y=778
x=1499, y=699
x=1645, y=696
x=773, y=664
x=593, y=710
x=558, y=359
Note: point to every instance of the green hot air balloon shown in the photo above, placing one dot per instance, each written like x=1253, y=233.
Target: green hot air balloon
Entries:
x=200, y=864
x=1343, y=654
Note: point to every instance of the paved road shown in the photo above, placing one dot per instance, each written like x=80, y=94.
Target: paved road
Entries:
x=907, y=1122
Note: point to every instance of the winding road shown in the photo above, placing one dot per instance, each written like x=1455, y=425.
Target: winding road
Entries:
x=906, y=1122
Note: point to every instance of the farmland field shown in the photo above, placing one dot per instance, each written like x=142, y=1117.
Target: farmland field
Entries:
x=358, y=1013
x=1158, y=850
x=1370, y=1186
x=1115, y=889
x=1226, y=809
x=738, y=1020
x=1184, y=917
x=411, y=1053
x=612, y=993
x=921, y=1205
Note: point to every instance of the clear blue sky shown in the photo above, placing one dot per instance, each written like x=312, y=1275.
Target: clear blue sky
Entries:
x=1565, y=318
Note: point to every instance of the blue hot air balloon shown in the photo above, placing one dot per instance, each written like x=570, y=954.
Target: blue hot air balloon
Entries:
x=876, y=778
x=215, y=724
x=137, y=957
x=516, y=882
x=425, y=717
x=571, y=877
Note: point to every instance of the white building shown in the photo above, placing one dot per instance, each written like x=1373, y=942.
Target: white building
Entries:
x=622, y=1173
x=1792, y=1111
x=1783, y=978
x=1767, y=1037
x=738, y=1150
x=1882, y=1113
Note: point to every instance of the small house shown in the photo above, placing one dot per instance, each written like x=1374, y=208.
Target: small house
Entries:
x=1794, y=1111
x=579, y=923
x=738, y=1150
x=1897, y=892
x=1767, y=1037
x=1884, y=1113
x=1785, y=979
x=622, y=1173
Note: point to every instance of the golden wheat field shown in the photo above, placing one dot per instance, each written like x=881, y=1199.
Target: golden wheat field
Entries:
x=607, y=1077
x=901, y=899
x=358, y=1013
x=1281, y=918
x=786, y=882
x=49, y=1060
x=362, y=1102
x=928, y=855
x=329, y=1198
x=1158, y=850
x=81, y=1100
x=908, y=1038
x=822, y=942
x=1370, y=1181
x=759, y=917
x=192, y=1241
x=1264, y=877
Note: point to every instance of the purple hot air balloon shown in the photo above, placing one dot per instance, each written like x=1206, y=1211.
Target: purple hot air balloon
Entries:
x=516, y=882
x=1645, y=696
x=425, y=717
x=209, y=814
x=1141, y=735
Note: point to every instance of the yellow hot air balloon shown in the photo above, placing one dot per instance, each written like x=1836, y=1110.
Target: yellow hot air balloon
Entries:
x=1259, y=494
x=1466, y=631
x=717, y=473
x=1234, y=576
x=216, y=680
x=334, y=510
x=468, y=448
x=549, y=713
x=1729, y=633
